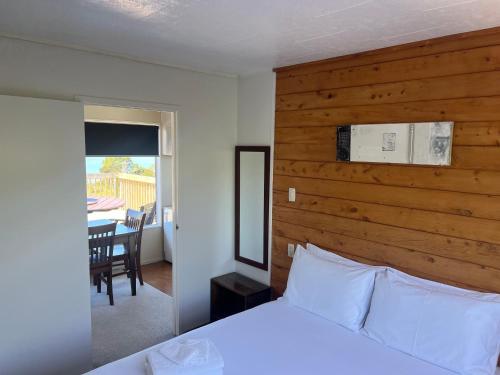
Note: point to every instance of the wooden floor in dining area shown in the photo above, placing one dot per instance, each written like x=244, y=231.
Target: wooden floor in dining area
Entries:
x=159, y=275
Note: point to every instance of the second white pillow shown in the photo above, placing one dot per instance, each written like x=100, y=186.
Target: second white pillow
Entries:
x=338, y=292
x=454, y=329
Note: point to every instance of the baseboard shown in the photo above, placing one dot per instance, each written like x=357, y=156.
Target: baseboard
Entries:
x=152, y=260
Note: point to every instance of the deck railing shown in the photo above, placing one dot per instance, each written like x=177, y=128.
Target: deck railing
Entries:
x=135, y=190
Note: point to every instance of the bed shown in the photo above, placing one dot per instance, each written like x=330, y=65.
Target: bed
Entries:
x=276, y=338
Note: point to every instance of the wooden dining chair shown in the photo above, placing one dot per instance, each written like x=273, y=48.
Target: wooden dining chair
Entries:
x=101, y=241
x=135, y=220
x=150, y=211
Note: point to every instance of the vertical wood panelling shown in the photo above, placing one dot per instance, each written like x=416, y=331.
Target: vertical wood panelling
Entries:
x=441, y=223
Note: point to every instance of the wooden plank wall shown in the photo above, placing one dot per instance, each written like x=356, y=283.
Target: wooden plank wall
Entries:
x=440, y=223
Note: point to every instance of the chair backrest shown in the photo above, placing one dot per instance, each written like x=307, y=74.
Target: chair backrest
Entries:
x=101, y=241
x=150, y=210
x=136, y=219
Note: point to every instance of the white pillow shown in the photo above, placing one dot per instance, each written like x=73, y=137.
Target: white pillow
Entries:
x=433, y=285
x=335, y=291
x=328, y=255
x=332, y=257
x=452, y=330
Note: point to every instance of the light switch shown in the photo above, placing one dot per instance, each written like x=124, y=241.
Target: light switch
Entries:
x=291, y=194
x=291, y=250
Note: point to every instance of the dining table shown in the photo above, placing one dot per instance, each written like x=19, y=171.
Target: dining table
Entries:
x=104, y=204
x=124, y=235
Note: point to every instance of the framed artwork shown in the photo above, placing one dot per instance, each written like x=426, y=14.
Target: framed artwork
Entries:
x=427, y=143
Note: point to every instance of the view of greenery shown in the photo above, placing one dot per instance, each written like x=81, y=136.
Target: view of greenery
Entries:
x=113, y=164
x=131, y=179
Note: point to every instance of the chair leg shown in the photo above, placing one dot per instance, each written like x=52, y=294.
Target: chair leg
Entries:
x=127, y=266
x=110, y=288
x=106, y=275
x=98, y=282
x=139, y=270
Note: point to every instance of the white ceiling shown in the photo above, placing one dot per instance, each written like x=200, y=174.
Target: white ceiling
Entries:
x=240, y=36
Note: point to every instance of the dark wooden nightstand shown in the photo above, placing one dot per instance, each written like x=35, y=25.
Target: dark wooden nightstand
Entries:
x=233, y=293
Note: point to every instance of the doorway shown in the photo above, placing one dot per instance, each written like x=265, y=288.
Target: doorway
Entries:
x=121, y=182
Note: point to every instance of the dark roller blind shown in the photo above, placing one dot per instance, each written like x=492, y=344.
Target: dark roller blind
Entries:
x=120, y=139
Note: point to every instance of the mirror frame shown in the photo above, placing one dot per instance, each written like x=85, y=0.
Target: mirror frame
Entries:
x=267, y=169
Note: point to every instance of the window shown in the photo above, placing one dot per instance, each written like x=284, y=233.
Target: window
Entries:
x=117, y=183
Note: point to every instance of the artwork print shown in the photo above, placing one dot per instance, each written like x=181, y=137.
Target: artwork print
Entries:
x=428, y=143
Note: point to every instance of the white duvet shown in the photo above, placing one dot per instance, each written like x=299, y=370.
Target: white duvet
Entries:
x=276, y=338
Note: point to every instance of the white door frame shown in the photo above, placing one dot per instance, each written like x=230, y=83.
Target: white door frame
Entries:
x=161, y=107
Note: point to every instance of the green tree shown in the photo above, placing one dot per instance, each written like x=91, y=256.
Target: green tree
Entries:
x=142, y=171
x=116, y=164
x=113, y=164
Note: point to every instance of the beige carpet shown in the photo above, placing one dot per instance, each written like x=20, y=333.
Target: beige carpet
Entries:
x=132, y=324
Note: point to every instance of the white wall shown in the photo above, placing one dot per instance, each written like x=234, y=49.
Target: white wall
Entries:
x=206, y=137
x=256, y=96
x=45, y=310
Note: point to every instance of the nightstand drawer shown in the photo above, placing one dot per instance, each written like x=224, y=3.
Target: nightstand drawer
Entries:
x=233, y=293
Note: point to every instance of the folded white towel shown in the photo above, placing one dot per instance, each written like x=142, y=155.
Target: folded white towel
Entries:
x=187, y=352
x=185, y=356
x=157, y=364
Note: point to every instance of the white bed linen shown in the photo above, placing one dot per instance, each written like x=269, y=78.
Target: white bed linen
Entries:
x=276, y=338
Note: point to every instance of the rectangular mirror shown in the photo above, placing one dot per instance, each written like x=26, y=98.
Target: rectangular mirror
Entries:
x=252, y=205
x=426, y=143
